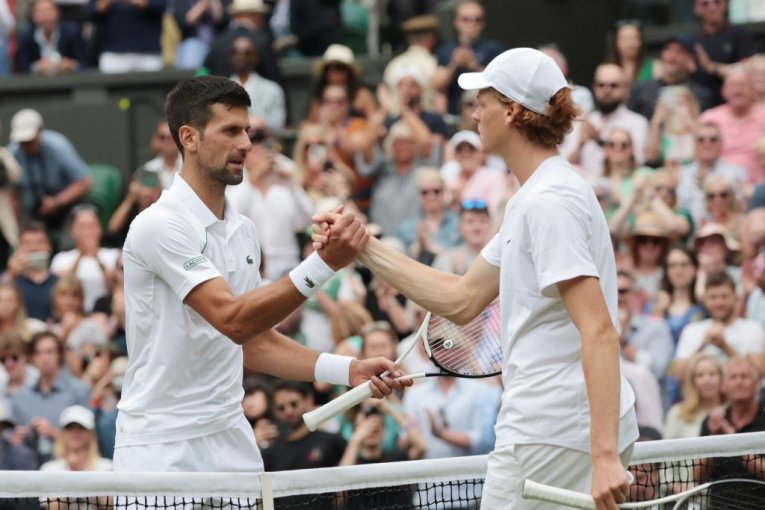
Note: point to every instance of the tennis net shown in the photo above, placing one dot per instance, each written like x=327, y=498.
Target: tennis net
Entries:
x=660, y=468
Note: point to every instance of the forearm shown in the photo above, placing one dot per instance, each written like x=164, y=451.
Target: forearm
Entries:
x=277, y=355
x=120, y=216
x=351, y=453
x=454, y=438
x=444, y=294
x=600, y=362
x=442, y=77
x=73, y=192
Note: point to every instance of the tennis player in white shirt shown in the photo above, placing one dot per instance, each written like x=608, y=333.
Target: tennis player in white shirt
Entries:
x=567, y=416
x=196, y=313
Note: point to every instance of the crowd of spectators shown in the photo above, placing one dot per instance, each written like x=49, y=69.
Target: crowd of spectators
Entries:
x=673, y=146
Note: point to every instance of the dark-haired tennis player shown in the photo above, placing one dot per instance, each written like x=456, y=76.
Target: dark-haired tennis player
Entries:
x=196, y=312
x=567, y=415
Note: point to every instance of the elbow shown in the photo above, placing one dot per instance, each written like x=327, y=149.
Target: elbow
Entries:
x=232, y=326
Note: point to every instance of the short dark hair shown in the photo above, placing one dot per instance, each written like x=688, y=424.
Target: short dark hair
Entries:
x=718, y=279
x=42, y=335
x=304, y=388
x=189, y=102
x=33, y=226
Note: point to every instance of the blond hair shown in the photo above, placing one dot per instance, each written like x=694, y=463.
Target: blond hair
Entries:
x=691, y=404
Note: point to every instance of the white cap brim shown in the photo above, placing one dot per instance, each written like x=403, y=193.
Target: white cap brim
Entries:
x=473, y=81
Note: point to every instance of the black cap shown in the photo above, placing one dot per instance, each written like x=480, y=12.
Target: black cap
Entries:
x=681, y=39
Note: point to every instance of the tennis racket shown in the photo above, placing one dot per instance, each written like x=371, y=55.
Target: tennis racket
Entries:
x=472, y=350
x=738, y=493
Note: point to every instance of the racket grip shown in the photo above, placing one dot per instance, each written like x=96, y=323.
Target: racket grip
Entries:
x=541, y=492
x=313, y=419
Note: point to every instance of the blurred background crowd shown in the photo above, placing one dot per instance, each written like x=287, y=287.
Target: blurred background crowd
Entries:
x=672, y=142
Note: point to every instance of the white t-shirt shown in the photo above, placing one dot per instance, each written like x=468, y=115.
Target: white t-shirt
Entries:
x=184, y=379
x=89, y=271
x=553, y=231
x=743, y=335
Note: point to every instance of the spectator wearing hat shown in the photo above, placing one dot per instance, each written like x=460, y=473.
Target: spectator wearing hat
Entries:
x=585, y=145
x=429, y=126
x=268, y=108
x=421, y=42
x=677, y=64
x=248, y=18
x=76, y=447
x=54, y=177
x=199, y=21
x=648, y=243
x=716, y=250
x=467, y=177
x=741, y=120
x=434, y=228
x=723, y=334
x=338, y=67
x=14, y=454
x=707, y=150
x=128, y=34
x=39, y=407
x=470, y=52
x=718, y=44
x=475, y=231
x=50, y=45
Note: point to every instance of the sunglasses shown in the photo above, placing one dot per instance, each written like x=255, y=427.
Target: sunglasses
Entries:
x=608, y=84
x=475, y=204
x=294, y=404
x=650, y=240
x=432, y=191
x=10, y=357
x=667, y=189
x=722, y=195
x=617, y=145
x=335, y=100
x=624, y=290
x=705, y=139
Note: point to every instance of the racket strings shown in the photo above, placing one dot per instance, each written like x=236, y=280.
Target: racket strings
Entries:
x=727, y=496
x=473, y=349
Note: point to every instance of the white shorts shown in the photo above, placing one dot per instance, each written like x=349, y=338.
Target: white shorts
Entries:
x=510, y=465
x=232, y=450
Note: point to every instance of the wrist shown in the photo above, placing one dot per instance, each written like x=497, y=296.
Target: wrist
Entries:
x=333, y=369
x=311, y=275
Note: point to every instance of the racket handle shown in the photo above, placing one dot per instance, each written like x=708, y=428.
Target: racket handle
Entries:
x=542, y=492
x=313, y=419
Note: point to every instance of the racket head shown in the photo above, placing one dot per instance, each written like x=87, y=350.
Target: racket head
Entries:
x=471, y=350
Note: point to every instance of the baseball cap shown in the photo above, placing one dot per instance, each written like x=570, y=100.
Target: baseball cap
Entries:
x=25, y=125
x=466, y=136
x=80, y=415
x=525, y=75
x=681, y=39
x=410, y=71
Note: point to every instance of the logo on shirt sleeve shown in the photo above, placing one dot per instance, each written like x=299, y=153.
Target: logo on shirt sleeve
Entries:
x=192, y=263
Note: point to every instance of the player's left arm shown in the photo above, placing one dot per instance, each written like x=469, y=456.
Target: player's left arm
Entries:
x=275, y=354
x=586, y=305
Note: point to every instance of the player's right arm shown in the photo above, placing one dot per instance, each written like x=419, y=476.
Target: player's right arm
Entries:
x=457, y=298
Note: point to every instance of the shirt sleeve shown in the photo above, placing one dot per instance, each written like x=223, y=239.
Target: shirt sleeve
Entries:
x=559, y=230
x=492, y=252
x=688, y=342
x=169, y=247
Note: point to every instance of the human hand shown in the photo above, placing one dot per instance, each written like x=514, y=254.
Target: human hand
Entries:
x=370, y=370
x=715, y=335
x=339, y=238
x=265, y=432
x=609, y=482
x=43, y=427
x=436, y=424
x=364, y=428
x=48, y=205
x=18, y=263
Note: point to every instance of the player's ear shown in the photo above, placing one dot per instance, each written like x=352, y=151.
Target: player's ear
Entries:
x=189, y=137
x=512, y=112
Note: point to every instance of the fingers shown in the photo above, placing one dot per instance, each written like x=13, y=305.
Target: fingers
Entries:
x=379, y=387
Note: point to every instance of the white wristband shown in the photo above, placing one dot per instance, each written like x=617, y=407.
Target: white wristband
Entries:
x=333, y=369
x=311, y=275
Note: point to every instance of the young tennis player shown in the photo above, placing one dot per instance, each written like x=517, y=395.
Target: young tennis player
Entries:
x=196, y=312
x=567, y=415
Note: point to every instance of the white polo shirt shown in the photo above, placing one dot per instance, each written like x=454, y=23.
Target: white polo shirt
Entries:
x=184, y=379
x=553, y=230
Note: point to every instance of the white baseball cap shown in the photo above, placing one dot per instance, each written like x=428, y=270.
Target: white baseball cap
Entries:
x=525, y=75
x=80, y=415
x=466, y=136
x=25, y=125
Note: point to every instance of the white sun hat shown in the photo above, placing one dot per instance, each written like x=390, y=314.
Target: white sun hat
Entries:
x=525, y=75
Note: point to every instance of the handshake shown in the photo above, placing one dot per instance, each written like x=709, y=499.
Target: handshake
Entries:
x=338, y=237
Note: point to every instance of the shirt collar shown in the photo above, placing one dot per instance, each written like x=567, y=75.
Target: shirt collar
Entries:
x=181, y=191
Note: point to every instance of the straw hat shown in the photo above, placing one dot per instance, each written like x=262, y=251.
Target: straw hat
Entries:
x=649, y=224
x=716, y=229
x=338, y=54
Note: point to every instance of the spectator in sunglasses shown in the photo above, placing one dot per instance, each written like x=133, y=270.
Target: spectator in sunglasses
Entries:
x=15, y=370
x=648, y=243
x=707, y=161
x=722, y=205
x=620, y=167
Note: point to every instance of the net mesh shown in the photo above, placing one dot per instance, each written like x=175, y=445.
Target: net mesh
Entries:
x=660, y=468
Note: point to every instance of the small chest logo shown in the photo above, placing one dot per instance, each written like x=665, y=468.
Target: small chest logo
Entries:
x=249, y=259
x=309, y=283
